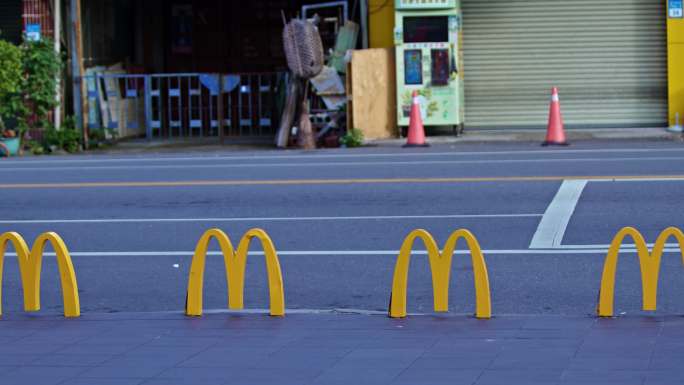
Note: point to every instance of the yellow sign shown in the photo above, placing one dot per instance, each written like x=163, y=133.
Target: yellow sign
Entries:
x=648, y=262
x=440, y=266
x=30, y=263
x=675, y=63
x=235, y=263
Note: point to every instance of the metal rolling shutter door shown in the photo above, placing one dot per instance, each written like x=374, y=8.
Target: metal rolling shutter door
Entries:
x=607, y=57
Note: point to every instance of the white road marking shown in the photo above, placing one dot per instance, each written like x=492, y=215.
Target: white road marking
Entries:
x=313, y=164
x=606, y=246
x=266, y=219
x=636, y=179
x=552, y=226
x=330, y=253
x=262, y=156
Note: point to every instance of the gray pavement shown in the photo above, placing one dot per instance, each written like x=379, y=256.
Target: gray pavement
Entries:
x=132, y=245
x=327, y=348
x=639, y=158
x=132, y=240
x=436, y=137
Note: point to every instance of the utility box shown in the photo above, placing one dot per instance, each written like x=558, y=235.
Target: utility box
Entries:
x=429, y=59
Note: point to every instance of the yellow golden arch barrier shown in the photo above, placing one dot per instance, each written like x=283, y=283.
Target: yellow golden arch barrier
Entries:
x=440, y=266
x=30, y=263
x=648, y=262
x=235, y=263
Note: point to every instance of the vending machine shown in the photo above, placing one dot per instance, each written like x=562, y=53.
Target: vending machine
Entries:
x=428, y=40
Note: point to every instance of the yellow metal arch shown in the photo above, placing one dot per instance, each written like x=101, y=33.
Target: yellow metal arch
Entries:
x=235, y=263
x=30, y=264
x=649, y=264
x=440, y=266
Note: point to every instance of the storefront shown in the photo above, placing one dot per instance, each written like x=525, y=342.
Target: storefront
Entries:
x=608, y=58
x=151, y=66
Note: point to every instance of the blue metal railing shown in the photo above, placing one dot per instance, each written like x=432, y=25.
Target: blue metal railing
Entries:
x=180, y=105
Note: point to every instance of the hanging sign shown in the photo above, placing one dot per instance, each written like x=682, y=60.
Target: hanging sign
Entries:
x=424, y=4
x=33, y=32
x=675, y=9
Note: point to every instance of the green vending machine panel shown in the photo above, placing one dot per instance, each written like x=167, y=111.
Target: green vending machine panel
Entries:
x=428, y=42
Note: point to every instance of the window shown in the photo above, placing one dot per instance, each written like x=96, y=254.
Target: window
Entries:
x=426, y=29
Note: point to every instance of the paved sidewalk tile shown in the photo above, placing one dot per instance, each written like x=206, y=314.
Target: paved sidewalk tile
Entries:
x=104, y=381
x=254, y=349
x=519, y=376
x=344, y=375
x=380, y=358
x=608, y=377
x=435, y=376
x=39, y=375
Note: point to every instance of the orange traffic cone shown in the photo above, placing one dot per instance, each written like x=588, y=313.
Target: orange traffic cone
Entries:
x=555, y=135
x=416, y=131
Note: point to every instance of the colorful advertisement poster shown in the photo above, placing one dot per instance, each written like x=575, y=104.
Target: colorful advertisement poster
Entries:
x=413, y=67
x=675, y=9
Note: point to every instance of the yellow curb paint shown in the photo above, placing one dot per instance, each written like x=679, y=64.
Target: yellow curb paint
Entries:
x=296, y=182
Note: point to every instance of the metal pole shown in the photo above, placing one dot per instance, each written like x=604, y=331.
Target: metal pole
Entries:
x=148, y=107
x=219, y=109
x=57, y=36
x=77, y=69
x=364, y=22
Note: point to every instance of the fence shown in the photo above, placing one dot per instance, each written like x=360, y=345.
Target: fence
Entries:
x=37, y=18
x=184, y=104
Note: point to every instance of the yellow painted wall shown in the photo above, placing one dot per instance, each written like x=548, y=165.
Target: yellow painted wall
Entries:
x=381, y=23
x=675, y=67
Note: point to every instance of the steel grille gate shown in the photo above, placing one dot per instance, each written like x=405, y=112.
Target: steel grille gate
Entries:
x=183, y=105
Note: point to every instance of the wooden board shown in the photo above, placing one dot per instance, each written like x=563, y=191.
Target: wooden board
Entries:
x=372, y=93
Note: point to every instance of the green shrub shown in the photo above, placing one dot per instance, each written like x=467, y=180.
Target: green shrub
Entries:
x=67, y=139
x=353, y=138
x=28, y=80
x=11, y=81
x=35, y=147
x=42, y=65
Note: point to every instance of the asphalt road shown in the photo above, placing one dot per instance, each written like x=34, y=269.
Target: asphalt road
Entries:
x=338, y=217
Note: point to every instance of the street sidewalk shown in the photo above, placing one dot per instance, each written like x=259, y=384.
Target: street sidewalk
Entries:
x=136, y=146
x=504, y=135
x=339, y=348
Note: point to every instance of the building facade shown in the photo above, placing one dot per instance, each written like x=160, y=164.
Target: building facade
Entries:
x=608, y=58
